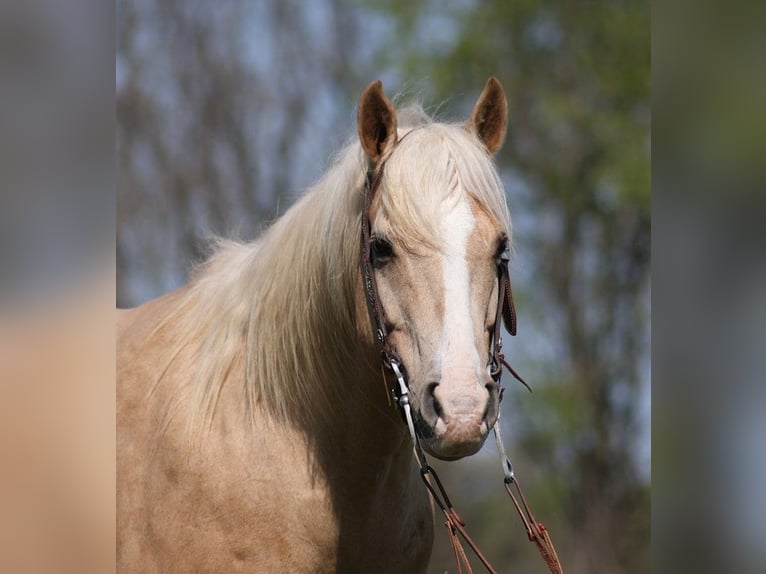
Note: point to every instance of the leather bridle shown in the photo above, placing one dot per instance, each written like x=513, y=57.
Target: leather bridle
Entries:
x=505, y=306
x=536, y=531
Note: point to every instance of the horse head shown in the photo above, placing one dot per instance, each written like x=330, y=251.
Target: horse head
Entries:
x=438, y=224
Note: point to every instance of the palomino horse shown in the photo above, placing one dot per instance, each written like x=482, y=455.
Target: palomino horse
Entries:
x=255, y=432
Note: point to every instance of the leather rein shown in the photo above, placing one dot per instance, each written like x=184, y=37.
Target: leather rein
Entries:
x=455, y=525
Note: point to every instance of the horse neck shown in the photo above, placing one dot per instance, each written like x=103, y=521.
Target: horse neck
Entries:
x=341, y=393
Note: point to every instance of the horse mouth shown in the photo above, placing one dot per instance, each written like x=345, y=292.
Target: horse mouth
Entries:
x=439, y=446
x=452, y=451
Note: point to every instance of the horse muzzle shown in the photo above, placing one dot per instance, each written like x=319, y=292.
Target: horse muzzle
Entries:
x=455, y=420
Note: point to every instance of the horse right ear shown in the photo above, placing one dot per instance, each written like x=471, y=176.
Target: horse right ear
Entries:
x=489, y=118
x=376, y=121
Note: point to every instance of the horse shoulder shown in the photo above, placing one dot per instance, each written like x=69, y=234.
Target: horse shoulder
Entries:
x=139, y=415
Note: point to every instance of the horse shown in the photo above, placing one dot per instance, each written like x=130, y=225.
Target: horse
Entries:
x=255, y=431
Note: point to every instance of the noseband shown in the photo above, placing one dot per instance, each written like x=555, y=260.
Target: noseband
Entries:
x=536, y=531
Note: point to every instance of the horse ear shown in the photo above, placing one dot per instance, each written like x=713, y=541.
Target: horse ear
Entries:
x=489, y=117
x=376, y=121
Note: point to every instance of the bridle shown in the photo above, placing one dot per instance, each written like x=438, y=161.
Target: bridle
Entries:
x=536, y=531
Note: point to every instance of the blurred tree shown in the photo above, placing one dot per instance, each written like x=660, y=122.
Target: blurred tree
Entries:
x=218, y=109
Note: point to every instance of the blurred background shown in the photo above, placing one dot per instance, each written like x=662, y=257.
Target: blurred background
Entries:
x=227, y=111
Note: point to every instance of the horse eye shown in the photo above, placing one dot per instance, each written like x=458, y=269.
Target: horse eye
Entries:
x=382, y=249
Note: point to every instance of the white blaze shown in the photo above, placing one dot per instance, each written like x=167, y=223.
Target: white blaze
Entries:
x=458, y=354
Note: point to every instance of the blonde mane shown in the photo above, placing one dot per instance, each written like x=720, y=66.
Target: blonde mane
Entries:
x=281, y=312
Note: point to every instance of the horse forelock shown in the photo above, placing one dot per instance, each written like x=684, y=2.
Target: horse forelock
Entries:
x=433, y=168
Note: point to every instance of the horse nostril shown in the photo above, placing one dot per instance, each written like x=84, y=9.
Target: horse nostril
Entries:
x=485, y=414
x=432, y=403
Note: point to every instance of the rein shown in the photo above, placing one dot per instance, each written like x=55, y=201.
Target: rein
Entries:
x=536, y=531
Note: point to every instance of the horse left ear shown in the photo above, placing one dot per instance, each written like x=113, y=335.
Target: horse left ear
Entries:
x=376, y=121
x=489, y=118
